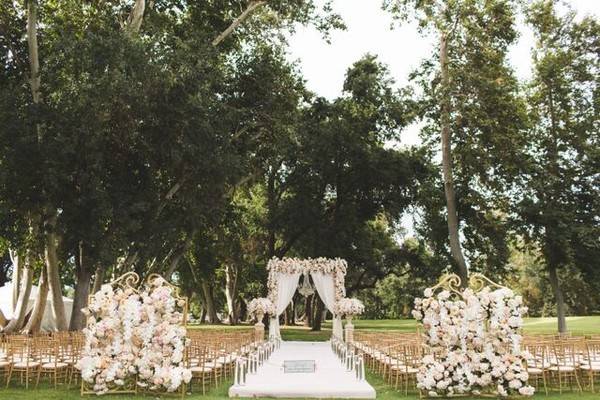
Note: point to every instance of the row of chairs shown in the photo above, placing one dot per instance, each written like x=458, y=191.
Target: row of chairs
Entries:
x=26, y=360
x=211, y=355
x=393, y=356
x=563, y=362
x=556, y=362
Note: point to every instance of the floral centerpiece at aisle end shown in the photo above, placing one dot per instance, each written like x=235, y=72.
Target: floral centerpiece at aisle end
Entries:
x=472, y=342
x=259, y=307
x=349, y=307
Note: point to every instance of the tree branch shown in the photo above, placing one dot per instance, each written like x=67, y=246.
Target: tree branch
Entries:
x=253, y=5
x=134, y=22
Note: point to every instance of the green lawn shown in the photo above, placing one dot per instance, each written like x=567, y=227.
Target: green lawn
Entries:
x=578, y=325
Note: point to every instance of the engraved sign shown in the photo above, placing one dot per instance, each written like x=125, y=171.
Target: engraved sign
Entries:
x=299, y=366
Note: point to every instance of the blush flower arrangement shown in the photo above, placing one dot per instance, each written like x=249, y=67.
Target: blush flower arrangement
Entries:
x=163, y=340
x=349, y=307
x=472, y=343
x=261, y=306
x=133, y=337
x=111, y=348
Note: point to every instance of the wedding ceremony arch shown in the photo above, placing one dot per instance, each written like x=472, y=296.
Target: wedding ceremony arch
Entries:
x=328, y=276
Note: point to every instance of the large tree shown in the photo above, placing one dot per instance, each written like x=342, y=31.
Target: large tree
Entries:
x=116, y=142
x=473, y=115
x=558, y=204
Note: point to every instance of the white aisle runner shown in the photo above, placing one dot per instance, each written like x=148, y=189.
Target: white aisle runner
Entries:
x=330, y=380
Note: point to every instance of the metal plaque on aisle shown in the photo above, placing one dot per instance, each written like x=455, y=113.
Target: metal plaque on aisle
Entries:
x=299, y=366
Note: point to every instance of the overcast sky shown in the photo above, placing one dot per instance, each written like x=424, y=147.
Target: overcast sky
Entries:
x=402, y=49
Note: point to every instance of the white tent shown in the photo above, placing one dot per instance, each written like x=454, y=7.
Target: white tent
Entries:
x=48, y=322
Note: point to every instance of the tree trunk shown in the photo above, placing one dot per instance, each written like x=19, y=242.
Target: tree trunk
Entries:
x=16, y=278
x=231, y=274
x=32, y=43
x=308, y=311
x=98, y=279
x=455, y=248
x=51, y=258
x=209, y=302
x=134, y=22
x=318, y=315
x=25, y=291
x=176, y=258
x=37, y=315
x=558, y=297
x=82, y=291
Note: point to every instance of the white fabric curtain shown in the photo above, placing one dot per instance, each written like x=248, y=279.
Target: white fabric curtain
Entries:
x=326, y=289
x=286, y=287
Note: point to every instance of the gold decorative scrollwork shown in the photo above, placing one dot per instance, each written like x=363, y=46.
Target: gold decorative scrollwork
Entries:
x=449, y=282
x=129, y=280
x=479, y=281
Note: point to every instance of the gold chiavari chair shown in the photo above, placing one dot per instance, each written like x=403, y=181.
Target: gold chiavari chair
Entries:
x=590, y=363
x=51, y=360
x=74, y=355
x=4, y=363
x=396, y=368
x=564, y=368
x=23, y=359
x=197, y=363
x=536, y=364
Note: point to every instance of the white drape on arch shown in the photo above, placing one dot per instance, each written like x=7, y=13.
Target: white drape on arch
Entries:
x=286, y=287
x=326, y=289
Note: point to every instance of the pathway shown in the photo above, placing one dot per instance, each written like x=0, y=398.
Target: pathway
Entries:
x=330, y=380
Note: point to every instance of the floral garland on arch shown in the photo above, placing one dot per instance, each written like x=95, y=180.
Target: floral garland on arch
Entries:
x=472, y=341
x=328, y=266
x=134, y=338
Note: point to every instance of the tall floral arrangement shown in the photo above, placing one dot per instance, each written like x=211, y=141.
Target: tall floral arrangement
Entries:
x=349, y=307
x=163, y=340
x=472, y=342
x=261, y=306
x=111, y=346
x=133, y=337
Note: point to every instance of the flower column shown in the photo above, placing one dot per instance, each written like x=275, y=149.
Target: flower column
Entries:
x=259, y=330
x=259, y=307
x=349, y=308
x=349, y=334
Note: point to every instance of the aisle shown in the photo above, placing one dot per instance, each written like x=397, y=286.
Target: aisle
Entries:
x=330, y=380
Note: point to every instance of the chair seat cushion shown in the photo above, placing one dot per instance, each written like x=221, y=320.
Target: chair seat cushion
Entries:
x=200, y=369
x=563, y=368
x=593, y=367
x=32, y=364
x=54, y=365
x=4, y=363
x=534, y=370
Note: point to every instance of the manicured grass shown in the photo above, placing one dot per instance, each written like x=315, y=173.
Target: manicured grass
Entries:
x=577, y=325
x=384, y=392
